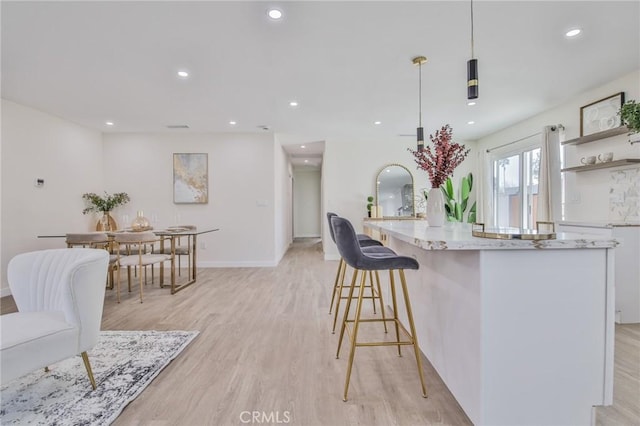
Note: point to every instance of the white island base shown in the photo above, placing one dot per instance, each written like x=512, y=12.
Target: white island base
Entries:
x=521, y=332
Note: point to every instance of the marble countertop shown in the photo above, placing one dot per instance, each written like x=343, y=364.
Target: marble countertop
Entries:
x=457, y=236
x=609, y=224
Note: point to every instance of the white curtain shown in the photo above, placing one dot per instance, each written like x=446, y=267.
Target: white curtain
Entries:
x=549, y=182
x=484, y=193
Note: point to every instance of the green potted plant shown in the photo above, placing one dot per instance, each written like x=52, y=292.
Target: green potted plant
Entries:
x=630, y=115
x=369, y=205
x=104, y=204
x=456, y=208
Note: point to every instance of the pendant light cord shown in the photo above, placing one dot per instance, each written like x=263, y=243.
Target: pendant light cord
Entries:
x=472, y=29
x=420, y=94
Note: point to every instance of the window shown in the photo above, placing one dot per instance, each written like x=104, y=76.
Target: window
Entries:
x=515, y=188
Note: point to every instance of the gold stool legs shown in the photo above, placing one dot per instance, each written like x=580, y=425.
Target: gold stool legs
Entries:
x=375, y=293
x=354, y=335
x=412, y=327
x=342, y=266
x=412, y=337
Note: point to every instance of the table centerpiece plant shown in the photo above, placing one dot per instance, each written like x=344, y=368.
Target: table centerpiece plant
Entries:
x=439, y=162
x=104, y=204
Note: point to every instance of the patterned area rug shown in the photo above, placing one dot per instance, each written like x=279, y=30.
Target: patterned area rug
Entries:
x=123, y=363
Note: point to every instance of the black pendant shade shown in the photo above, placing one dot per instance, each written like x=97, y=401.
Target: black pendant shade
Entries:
x=472, y=79
x=420, y=139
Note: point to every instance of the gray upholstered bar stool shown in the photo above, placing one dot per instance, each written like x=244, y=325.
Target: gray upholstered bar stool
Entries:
x=368, y=245
x=352, y=254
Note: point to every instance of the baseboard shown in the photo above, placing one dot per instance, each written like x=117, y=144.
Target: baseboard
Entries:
x=331, y=256
x=5, y=291
x=307, y=236
x=240, y=264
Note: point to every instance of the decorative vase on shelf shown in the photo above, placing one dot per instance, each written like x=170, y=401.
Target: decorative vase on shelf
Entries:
x=435, y=207
x=140, y=223
x=106, y=223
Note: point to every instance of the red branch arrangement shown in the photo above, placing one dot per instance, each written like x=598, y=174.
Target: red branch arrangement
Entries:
x=441, y=161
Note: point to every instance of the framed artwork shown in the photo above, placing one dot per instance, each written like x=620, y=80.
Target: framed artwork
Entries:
x=601, y=115
x=190, y=178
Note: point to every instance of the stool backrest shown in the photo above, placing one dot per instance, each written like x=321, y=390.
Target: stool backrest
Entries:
x=333, y=234
x=347, y=241
x=349, y=248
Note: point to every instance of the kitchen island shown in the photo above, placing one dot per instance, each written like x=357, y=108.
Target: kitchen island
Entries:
x=521, y=332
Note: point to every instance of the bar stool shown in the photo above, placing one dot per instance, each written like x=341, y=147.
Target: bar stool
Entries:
x=352, y=254
x=369, y=246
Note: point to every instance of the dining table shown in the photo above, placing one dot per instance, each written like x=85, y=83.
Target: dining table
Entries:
x=171, y=234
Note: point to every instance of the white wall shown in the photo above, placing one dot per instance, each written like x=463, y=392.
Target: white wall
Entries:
x=587, y=192
x=350, y=168
x=249, y=187
x=283, y=201
x=241, y=190
x=67, y=156
x=307, y=210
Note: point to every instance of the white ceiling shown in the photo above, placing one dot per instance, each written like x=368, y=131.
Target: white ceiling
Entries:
x=348, y=64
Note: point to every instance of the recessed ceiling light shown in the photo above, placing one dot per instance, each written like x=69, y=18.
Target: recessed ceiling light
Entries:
x=274, y=13
x=471, y=122
x=573, y=32
x=293, y=103
x=302, y=146
x=233, y=123
x=183, y=74
x=306, y=161
x=471, y=103
x=377, y=122
x=109, y=123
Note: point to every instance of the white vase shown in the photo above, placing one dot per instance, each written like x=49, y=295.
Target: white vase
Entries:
x=435, y=207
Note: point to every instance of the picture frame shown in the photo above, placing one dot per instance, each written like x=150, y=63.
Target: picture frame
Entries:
x=601, y=115
x=190, y=178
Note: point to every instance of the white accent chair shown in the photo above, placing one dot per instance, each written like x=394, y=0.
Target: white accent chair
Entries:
x=60, y=296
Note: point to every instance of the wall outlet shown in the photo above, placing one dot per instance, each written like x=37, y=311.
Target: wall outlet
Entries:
x=573, y=198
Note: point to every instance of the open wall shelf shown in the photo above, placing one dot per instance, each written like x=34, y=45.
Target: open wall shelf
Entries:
x=606, y=165
x=597, y=136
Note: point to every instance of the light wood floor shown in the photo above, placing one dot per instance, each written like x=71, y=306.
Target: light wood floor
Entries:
x=265, y=345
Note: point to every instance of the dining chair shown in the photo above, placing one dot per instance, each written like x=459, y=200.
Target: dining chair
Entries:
x=139, y=257
x=97, y=240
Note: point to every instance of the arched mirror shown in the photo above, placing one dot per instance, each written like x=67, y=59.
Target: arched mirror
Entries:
x=394, y=191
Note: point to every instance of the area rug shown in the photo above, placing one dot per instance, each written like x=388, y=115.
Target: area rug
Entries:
x=123, y=363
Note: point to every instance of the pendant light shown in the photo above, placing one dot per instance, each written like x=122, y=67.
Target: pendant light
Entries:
x=419, y=60
x=472, y=68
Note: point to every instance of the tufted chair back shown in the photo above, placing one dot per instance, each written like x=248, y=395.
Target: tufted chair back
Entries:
x=66, y=280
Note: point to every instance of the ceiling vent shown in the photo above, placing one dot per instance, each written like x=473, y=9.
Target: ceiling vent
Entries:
x=177, y=126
